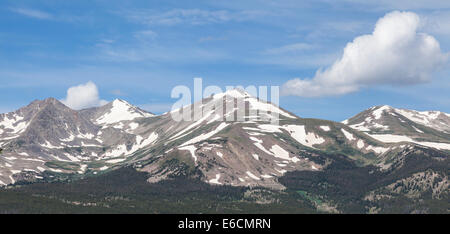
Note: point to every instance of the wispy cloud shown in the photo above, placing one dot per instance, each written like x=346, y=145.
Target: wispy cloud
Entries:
x=56, y=16
x=296, y=47
x=438, y=22
x=295, y=56
x=331, y=30
x=143, y=47
x=33, y=13
x=145, y=35
x=295, y=60
x=211, y=38
x=384, y=5
x=189, y=16
x=107, y=41
x=156, y=53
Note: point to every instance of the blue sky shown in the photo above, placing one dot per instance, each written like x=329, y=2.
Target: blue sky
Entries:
x=140, y=50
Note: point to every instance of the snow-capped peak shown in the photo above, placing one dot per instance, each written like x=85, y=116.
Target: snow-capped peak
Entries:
x=117, y=102
x=235, y=93
x=254, y=102
x=373, y=118
x=377, y=113
x=422, y=117
x=121, y=110
x=428, y=118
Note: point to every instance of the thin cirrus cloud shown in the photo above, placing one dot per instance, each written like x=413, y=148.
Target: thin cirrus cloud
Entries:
x=188, y=16
x=145, y=50
x=401, y=4
x=296, y=47
x=43, y=15
x=145, y=35
x=394, y=54
x=439, y=23
x=32, y=13
x=83, y=96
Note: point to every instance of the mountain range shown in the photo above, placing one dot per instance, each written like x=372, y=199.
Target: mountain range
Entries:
x=380, y=156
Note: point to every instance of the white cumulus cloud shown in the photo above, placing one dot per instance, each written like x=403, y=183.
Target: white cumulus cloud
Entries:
x=83, y=96
x=394, y=54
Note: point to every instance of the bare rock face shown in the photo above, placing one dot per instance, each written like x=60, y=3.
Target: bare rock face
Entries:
x=230, y=138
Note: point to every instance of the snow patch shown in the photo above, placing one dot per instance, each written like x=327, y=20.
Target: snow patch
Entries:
x=267, y=107
x=417, y=130
x=205, y=136
x=15, y=124
x=325, y=128
x=50, y=146
x=360, y=144
x=283, y=154
x=378, y=112
x=83, y=168
x=68, y=139
x=56, y=170
x=270, y=128
x=192, y=126
x=378, y=150
x=389, y=138
x=347, y=135
x=360, y=127
x=298, y=132
x=12, y=158
x=150, y=139
x=191, y=149
x=216, y=180
x=71, y=158
x=251, y=175
x=133, y=126
x=112, y=161
x=103, y=168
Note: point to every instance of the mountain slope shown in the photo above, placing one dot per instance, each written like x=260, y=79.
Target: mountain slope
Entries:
x=233, y=139
x=230, y=138
x=48, y=136
x=252, y=152
x=392, y=125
